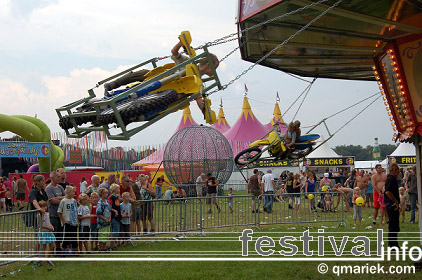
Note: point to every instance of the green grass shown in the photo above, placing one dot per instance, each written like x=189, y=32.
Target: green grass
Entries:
x=221, y=242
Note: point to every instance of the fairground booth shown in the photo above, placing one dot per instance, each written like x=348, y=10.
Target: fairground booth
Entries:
x=404, y=155
x=277, y=167
x=325, y=160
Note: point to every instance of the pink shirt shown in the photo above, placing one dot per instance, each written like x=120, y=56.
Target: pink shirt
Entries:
x=326, y=182
x=8, y=185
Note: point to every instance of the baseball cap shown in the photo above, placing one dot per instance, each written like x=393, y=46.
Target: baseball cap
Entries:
x=269, y=171
x=326, y=175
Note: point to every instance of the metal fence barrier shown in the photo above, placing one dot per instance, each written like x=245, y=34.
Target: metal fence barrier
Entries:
x=297, y=208
x=18, y=237
x=197, y=214
x=18, y=234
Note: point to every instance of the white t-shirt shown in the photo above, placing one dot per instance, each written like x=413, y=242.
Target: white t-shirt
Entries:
x=200, y=181
x=83, y=186
x=83, y=211
x=268, y=180
x=69, y=209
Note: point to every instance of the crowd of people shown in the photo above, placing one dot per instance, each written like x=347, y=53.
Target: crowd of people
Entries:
x=109, y=209
x=105, y=212
x=389, y=195
x=288, y=187
x=17, y=188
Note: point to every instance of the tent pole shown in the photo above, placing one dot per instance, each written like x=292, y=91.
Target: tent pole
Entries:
x=241, y=173
x=418, y=180
x=50, y=155
x=155, y=174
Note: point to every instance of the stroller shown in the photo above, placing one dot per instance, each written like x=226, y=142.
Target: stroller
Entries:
x=325, y=191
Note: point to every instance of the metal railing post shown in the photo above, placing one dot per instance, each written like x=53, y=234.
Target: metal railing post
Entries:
x=342, y=211
x=201, y=227
x=257, y=216
x=181, y=215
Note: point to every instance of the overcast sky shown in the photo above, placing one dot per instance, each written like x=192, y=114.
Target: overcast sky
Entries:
x=53, y=51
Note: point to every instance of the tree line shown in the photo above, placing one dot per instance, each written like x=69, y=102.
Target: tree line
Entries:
x=361, y=153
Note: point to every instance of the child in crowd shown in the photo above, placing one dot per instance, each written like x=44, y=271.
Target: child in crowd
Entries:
x=46, y=236
x=126, y=212
x=103, y=218
x=114, y=200
x=168, y=195
x=297, y=189
x=68, y=214
x=369, y=194
x=181, y=193
x=279, y=195
x=84, y=216
x=94, y=225
x=382, y=208
x=328, y=200
x=403, y=200
x=3, y=191
x=230, y=200
x=9, y=203
x=357, y=210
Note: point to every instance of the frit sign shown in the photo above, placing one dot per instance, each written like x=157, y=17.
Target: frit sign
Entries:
x=403, y=160
x=340, y=161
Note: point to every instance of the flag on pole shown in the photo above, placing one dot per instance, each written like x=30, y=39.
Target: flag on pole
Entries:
x=246, y=89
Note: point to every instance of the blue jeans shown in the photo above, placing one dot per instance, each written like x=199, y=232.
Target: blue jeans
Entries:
x=268, y=201
x=115, y=228
x=158, y=192
x=413, y=198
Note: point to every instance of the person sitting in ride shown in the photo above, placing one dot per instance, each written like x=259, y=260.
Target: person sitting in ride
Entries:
x=139, y=76
x=297, y=130
x=290, y=136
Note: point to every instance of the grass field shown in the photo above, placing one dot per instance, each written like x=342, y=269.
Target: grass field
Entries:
x=222, y=243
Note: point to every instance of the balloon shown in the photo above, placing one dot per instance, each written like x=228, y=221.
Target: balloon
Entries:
x=359, y=201
x=310, y=196
x=324, y=188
